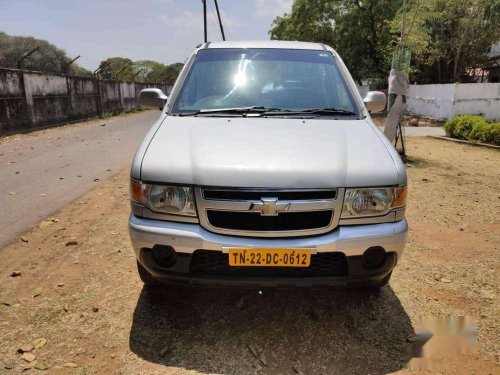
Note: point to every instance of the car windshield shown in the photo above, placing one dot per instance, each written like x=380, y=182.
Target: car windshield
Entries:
x=279, y=79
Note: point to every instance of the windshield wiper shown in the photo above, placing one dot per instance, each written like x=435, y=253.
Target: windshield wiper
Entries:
x=265, y=111
x=235, y=110
x=329, y=111
x=310, y=112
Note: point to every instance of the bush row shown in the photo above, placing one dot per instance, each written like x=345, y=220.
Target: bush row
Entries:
x=473, y=128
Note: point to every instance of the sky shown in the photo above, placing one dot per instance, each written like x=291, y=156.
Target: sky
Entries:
x=162, y=30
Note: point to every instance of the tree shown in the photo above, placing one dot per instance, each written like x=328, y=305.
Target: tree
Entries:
x=48, y=58
x=310, y=20
x=172, y=72
x=148, y=70
x=449, y=37
x=360, y=31
x=77, y=70
x=144, y=70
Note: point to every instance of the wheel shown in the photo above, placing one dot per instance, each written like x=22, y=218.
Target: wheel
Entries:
x=145, y=276
x=376, y=285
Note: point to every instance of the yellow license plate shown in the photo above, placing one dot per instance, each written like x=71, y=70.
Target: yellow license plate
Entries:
x=269, y=257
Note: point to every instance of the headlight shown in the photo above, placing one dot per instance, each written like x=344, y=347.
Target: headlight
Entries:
x=372, y=202
x=168, y=199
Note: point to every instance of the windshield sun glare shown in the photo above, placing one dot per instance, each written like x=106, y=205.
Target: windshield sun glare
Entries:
x=285, y=79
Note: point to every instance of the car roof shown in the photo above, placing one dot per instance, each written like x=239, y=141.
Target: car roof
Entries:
x=264, y=44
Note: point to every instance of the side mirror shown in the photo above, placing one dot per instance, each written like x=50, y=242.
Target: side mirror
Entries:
x=375, y=101
x=152, y=98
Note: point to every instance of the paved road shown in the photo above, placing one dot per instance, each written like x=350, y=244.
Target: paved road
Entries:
x=42, y=171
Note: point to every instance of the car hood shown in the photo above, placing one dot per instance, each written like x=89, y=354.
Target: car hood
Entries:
x=269, y=152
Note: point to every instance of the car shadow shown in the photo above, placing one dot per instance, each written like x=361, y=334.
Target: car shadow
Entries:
x=272, y=331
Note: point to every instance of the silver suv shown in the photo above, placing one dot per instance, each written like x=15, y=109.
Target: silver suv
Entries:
x=266, y=169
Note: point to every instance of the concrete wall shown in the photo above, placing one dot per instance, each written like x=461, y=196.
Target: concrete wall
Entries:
x=479, y=98
x=30, y=100
x=447, y=100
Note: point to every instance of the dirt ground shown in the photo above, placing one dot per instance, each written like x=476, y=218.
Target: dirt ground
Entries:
x=96, y=316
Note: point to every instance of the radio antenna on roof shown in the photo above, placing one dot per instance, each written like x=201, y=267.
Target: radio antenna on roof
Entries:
x=205, y=19
x=220, y=21
x=205, y=31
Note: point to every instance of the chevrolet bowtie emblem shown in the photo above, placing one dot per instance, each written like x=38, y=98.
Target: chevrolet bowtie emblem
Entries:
x=269, y=206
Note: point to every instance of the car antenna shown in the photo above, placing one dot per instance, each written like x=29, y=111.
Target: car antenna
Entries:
x=205, y=19
x=205, y=31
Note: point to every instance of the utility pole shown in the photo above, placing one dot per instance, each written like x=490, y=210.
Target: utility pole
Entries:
x=205, y=19
x=25, y=56
x=398, y=57
x=220, y=21
x=403, y=27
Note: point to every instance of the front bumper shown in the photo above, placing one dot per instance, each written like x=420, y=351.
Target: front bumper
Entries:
x=186, y=238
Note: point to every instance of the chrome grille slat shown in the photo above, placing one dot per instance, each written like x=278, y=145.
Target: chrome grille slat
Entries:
x=225, y=205
x=245, y=208
x=255, y=194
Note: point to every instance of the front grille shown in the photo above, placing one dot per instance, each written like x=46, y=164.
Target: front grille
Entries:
x=216, y=263
x=285, y=221
x=264, y=212
x=243, y=194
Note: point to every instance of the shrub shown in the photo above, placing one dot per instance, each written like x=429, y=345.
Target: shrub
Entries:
x=480, y=133
x=449, y=127
x=495, y=133
x=473, y=128
x=461, y=126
